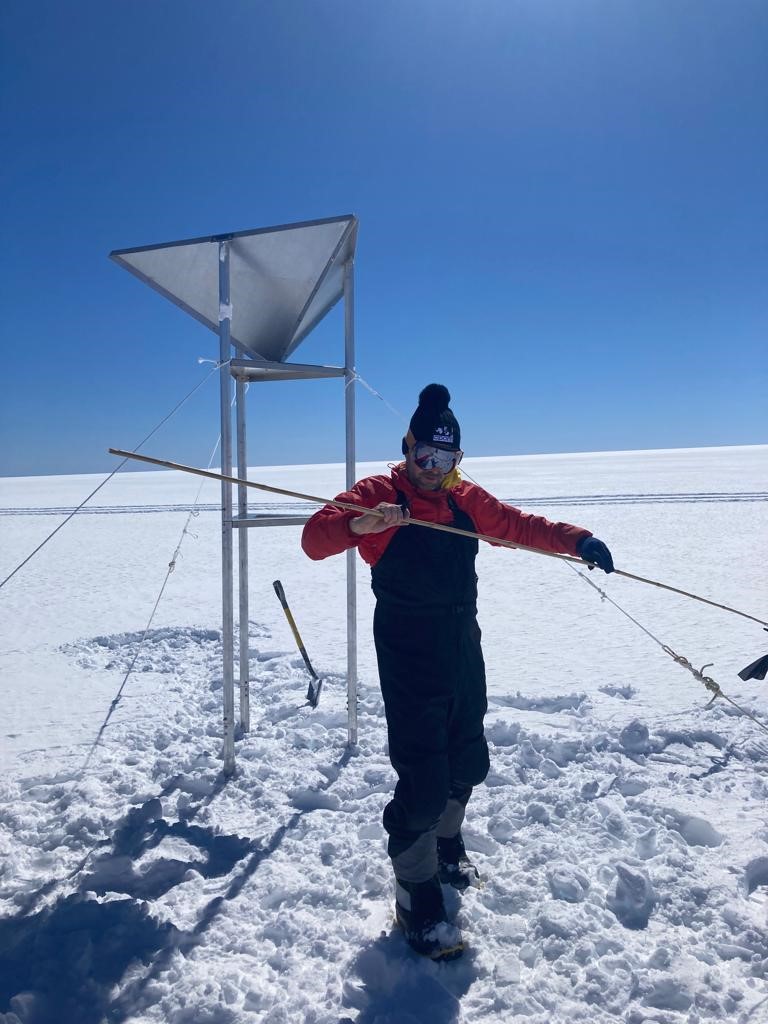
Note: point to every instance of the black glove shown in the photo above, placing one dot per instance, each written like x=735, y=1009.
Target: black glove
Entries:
x=593, y=550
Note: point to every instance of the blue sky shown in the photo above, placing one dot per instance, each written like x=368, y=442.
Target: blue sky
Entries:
x=563, y=216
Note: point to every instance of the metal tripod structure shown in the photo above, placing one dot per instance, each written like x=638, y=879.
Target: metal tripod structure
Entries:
x=263, y=291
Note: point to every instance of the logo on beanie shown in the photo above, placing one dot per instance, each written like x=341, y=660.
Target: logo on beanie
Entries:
x=443, y=435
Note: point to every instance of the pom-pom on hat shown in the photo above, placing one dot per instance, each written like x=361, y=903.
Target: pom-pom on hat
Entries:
x=433, y=422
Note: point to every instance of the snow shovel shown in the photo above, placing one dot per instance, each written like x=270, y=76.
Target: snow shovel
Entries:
x=757, y=669
x=315, y=682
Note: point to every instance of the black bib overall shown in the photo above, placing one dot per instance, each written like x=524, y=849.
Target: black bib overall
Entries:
x=431, y=671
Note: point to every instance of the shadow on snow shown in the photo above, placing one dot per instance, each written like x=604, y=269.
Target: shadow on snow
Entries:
x=62, y=964
x=389, y=984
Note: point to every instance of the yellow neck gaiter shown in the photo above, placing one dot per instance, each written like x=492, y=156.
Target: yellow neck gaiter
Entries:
x=453, y=479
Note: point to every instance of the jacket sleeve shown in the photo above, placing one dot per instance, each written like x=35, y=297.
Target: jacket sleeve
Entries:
x=496, y=519
x=328, y=533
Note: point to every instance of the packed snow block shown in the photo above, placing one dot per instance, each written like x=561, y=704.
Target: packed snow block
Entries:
x=537, y=812
x=503, y=734
x=529, y=756
x=694, y=831
x=567, y=883
x=635, y=738
x=756, y=874
x=550, y=769
x=562, y=922
x=646, y=844
x=663, y=991
x=634, y=899
x=625, y=692
x=562, y=752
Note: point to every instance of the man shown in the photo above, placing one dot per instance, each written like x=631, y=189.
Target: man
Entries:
x=428, y=648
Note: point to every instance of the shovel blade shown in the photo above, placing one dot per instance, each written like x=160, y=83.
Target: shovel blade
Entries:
x=313, y=691
x=756, y=670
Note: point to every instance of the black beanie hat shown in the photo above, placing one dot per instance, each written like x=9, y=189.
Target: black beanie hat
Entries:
x=433, y=422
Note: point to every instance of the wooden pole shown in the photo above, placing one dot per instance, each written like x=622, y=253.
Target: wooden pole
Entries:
x=418, y=522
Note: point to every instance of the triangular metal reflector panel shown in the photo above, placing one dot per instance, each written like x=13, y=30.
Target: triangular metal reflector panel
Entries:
x=283, y=280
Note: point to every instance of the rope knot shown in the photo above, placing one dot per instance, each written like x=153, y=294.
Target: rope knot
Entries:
x=678, y=658
x=710, y=683
x=697, y=673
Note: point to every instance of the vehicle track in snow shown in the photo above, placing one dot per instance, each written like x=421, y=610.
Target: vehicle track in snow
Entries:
x=696, y=497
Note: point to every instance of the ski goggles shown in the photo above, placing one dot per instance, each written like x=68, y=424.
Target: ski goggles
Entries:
x=426, y=456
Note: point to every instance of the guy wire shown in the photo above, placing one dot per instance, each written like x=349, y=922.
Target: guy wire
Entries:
x=171, y=566
x=708, y=682
x=117, y=469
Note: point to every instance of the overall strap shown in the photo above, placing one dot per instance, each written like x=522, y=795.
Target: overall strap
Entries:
x=427, y=571
x=402, y=501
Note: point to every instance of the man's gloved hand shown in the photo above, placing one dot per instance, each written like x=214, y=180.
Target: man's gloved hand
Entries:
x=593, y=550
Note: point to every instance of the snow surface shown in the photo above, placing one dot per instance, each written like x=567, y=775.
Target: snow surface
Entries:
x=621, y=834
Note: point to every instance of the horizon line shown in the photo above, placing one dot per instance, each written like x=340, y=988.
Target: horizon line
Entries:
x=469, y=458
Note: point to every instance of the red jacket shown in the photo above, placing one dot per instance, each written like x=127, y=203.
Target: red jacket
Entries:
x=327, y=532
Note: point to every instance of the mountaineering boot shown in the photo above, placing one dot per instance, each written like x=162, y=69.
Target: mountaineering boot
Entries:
x=453, y=865
x=420, y=912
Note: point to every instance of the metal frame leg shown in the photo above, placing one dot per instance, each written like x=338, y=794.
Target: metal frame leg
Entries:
x=242, y=550
x=349, y=403
x=227, y=627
